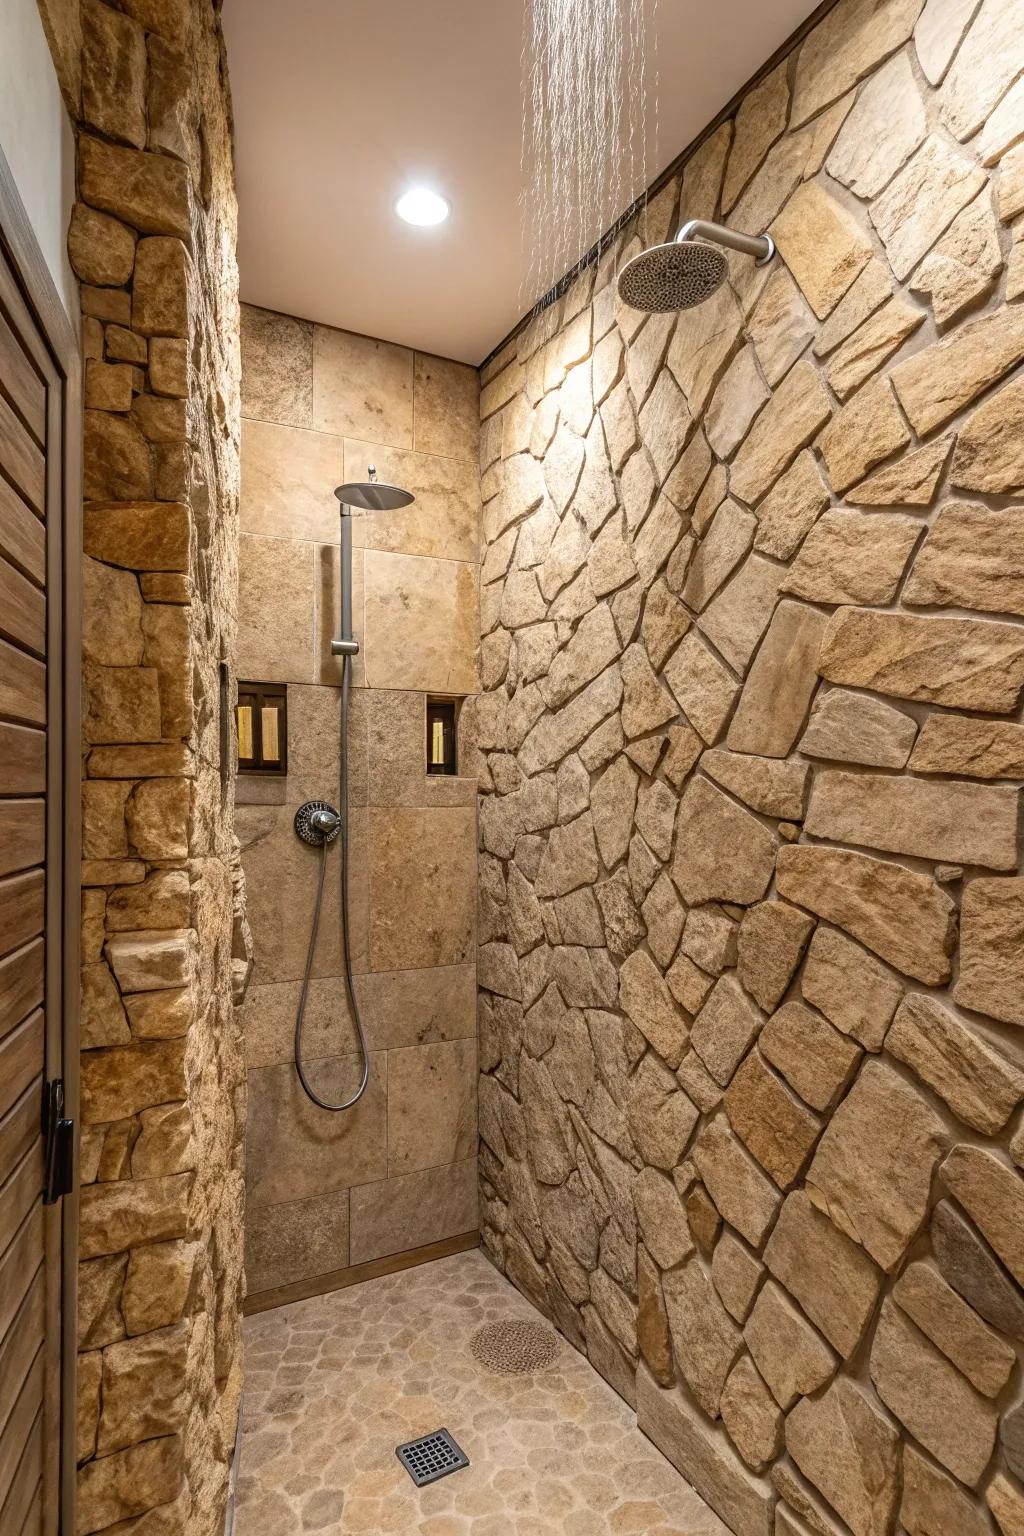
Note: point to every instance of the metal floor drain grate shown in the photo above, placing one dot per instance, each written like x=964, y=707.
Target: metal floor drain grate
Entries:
x=431, y=1457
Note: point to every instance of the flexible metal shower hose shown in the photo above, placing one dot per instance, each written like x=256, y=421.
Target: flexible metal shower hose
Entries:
x=346, y=947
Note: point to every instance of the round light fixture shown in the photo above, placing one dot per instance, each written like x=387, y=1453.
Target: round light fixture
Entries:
x=422, y=206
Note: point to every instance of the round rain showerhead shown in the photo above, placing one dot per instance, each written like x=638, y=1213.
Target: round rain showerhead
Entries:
x=675, y=276
x=372, y=496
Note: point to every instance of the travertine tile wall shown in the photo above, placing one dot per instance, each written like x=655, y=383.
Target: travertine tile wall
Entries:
x=152, y=240
x=397, y=1172
x=751, y=920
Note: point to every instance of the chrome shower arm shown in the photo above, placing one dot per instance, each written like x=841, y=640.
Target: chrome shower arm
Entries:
x=761, y=247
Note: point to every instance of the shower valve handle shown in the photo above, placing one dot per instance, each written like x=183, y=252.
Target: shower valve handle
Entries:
x=344, y=647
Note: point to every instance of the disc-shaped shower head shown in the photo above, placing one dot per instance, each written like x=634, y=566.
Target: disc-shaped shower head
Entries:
x=372, y=496
x=674, y=276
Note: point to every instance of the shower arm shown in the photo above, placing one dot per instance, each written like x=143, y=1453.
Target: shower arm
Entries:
x=761, y=247
x=348, y=645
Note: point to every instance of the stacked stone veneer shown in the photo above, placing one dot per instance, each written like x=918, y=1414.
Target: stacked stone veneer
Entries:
x=752, y=927
x=152, y=240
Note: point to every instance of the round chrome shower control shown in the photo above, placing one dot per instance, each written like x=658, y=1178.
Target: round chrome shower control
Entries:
x=317, y=822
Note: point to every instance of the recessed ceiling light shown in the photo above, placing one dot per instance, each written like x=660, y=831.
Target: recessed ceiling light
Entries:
x=422, y=206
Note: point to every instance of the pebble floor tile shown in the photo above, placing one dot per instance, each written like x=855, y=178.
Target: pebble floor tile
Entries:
x=335, y=1383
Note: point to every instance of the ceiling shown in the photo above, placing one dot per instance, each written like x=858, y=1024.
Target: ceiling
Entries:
x=340, y=104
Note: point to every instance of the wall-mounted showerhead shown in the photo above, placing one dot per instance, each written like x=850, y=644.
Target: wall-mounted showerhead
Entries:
x=370, y=495
x=687, y=271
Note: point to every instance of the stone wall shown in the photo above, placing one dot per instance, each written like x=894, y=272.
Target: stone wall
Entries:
x=152, y=241
x=397, y=1172
x=752, y=922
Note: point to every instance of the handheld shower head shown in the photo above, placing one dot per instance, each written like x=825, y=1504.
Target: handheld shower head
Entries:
x=370, y=495
x=687, y=271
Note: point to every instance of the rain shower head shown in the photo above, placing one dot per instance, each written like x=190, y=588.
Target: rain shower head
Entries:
x=687, y=271
x=370, y=495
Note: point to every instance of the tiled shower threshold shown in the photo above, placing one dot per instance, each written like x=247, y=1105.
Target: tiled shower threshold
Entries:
x=335, y=1382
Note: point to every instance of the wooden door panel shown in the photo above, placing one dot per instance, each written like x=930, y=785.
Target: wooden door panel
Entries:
x=19, y=1265
x=22, y=610
x=22, y=685
x=40, y=817
x=22, y=899
x=24, y=1492
x=20, y=1192
x=19, y=1127
x=22, y=534
x=20, y=1055
x=21, y=984
x=15, y=1433
x=20, y=1347
x=21, y=383
x=22, y=760
x=22, y=458
x=22, y=834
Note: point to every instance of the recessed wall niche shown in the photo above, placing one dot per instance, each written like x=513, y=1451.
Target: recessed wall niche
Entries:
x=261, y=718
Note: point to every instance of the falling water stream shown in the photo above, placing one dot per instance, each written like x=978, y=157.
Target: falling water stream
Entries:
x=587, y=79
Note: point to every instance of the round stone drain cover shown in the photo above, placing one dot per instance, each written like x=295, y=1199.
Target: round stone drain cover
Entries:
x=514, y=1347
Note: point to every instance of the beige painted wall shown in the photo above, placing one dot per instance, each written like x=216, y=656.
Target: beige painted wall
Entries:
x=37, y=139
x=751, y=904
x=399, y=1170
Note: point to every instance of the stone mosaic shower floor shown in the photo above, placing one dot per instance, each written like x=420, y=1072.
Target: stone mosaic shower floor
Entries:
x=335, y=1383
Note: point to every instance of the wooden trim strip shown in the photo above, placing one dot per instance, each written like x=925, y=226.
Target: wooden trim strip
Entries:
x=340, y=1279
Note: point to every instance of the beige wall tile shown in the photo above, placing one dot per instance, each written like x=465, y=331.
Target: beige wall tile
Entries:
x=281, y=880
x=420, y=623
x=446, y=407
x=444, y=520
x=275, y=610
x=399, y=1008
x=362, y=388
x=268, y=1022
x=431, y=1105
x=396, y=732
x=277, y=367
x=418, y=1006
x=422, y=887
x=411, y=1211
x=288, y=480
x=285, y=1243
x=293, y=1149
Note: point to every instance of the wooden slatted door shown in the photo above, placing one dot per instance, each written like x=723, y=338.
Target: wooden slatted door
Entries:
x=32, y=910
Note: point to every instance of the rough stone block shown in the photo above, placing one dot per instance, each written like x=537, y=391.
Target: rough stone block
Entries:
x=872, y=1171
x=149, y=192
x=833, y=1279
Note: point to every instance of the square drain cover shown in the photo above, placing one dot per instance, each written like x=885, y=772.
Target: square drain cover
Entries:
x=431, y=1457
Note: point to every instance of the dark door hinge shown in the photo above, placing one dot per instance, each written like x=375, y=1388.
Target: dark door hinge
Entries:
x=60, y=1143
